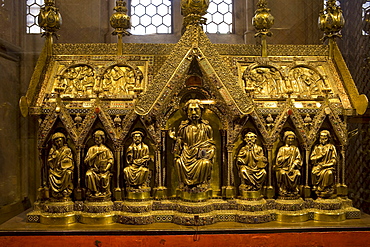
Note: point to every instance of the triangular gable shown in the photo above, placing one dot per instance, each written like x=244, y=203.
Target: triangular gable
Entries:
x=193, y=44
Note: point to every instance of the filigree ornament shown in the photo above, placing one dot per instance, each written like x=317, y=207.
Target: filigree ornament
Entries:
x=262, y=19
x=331, y=20
x=49, y=18
x=119, y=20
x=193, y=11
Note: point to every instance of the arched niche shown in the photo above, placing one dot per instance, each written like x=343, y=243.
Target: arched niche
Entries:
x=89, y=142
x=239, y=143
x=148, y=140
x=174, y=120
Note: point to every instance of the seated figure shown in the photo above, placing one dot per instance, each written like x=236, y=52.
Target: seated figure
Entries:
x=324, y=159
x=60, y=162
x=251, y=163
x=288, y=164
x=194, y=148
x=137, y=157
x=99, y=160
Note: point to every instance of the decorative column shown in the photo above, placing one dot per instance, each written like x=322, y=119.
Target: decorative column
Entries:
x=42, y=194
x=120, y=21
x=270, y=192
x=78, y=191
x=307, y=189
x=331, y=21
x=342, y=189
x=228, y=191
x=263, y=21
x=118, y=154
x=160, y=191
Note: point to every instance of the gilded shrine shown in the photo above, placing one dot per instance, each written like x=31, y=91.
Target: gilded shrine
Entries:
x=191, y=133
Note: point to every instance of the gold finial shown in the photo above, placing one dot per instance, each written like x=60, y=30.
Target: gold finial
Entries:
x=50, y=20
x=263, y=21
x=331, y=22
x=120, y=21
x=193, y=11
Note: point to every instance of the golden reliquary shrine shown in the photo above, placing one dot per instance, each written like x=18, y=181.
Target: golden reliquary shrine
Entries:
x=192, y=133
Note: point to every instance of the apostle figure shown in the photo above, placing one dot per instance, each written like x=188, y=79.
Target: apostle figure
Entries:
x=324, y=159
x=137, y=157
x=60, y=162
x=99, y=160
x=194, y=148
x=251, y=163
x=288, y=163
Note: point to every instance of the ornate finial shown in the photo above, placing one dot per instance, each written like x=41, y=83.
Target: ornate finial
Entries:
x=120, y=21
x=193, y=11
x=263, y=21
x=331, y=20
x=49, y=18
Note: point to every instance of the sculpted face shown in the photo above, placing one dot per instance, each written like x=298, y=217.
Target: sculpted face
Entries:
x=250, y=138
x=324, y=138
x=59, y=142
x=137, y=138
x=98, y=139
x=194, y=112
x=290, y=139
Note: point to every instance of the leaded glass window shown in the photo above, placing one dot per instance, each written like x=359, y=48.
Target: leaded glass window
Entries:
x=220, y=17
x=151, y=16
x=366, y=18
x=33, y=9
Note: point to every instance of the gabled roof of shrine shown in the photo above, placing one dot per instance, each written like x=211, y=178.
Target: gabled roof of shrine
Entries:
x=194, y=44
x=225, y=67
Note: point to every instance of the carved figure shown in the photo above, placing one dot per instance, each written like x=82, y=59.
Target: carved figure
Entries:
x=60, y=162
x=137, y=156
x=324, y=159
x=266, y=80
x=99, y=160
x=78, y=80
x=251, y=163
x=107, y=83
x=194, y=148
x=305, y=81
x=119, y=79
x=288, y=164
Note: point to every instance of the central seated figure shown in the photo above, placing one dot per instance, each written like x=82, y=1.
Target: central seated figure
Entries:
x=194, y=150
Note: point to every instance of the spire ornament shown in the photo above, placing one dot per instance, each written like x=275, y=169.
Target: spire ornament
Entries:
x=263, y=21
x=50, y=20
x=331, y=22
x=193, y=12
x=120, y=21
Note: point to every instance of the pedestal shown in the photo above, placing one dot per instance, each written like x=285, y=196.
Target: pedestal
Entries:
x=330, y=210
x=250, y=195
x=97, y=212
x=228, y=192
x=57, y=213
x=291, y=210
x=160, y=193
x=195, y=196
x=138, y=194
